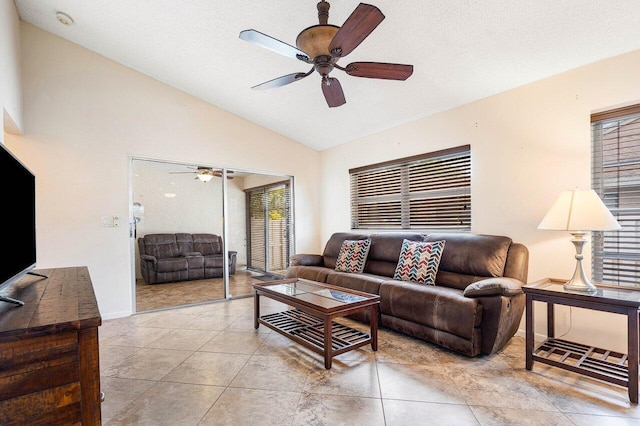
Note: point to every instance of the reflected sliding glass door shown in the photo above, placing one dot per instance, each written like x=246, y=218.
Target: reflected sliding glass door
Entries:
x=269, y=228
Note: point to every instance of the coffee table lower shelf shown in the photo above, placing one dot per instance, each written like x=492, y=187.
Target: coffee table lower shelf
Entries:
x=591, y=361
x=308, y=331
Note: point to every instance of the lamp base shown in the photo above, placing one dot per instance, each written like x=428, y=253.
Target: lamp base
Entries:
x=579, y=282
x=581, y=287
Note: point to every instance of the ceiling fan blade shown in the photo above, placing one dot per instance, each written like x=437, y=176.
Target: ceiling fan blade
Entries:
x=218, y=173
x=379, y=70
x=280, y=81
x=364, y=19
x=273, y=44
x=333, y=92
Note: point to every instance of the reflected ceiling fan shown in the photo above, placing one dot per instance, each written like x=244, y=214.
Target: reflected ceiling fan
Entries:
x=205, y=174
x=323, y=45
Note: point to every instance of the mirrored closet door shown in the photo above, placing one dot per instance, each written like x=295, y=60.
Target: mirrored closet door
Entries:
x=186, y=220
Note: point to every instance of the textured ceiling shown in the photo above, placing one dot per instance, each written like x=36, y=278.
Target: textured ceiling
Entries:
x=462, y=50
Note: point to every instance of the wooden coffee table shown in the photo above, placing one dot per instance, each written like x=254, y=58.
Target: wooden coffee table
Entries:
x=315, y=305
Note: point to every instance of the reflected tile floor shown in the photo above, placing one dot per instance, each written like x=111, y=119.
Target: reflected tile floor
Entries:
x=207, y=365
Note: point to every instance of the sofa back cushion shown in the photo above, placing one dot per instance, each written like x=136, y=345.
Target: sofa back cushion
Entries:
x=185, y=243
x=160, y=246
x=207, y=244
x=385, y=251
x=467, y=258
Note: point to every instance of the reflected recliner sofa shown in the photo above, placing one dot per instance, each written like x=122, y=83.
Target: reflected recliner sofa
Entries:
x=475, y=306
x=179, y=257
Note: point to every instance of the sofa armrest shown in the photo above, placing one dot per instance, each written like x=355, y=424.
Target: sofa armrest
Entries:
x=148, y=257
x=500, y=286
x=306, y=260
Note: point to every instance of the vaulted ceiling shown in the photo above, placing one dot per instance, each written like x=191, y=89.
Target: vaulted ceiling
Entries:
x=461, y=50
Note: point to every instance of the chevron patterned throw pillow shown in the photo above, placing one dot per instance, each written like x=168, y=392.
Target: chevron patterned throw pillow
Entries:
x=353, y=255
x=419, y=261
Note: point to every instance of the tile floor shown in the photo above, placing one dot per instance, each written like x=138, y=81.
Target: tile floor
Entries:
x=207, y=365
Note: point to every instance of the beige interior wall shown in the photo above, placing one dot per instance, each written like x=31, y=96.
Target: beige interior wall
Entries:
x=85, y=116
x=527, y=145
x=10, y=81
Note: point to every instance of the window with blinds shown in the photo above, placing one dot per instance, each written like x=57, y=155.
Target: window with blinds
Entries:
x=616, y=178
x=429, y=191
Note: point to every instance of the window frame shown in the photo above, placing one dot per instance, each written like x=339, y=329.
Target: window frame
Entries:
x=430, y=191
x=613, y=250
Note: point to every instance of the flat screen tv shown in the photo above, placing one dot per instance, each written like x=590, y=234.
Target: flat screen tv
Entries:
x=18, y=213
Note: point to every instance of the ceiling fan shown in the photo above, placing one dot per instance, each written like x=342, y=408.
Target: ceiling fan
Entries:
x=205, y=173
x=323, y=45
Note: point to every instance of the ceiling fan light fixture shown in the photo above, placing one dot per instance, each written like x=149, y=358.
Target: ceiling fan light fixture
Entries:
x=315, y=40
x=205, y=177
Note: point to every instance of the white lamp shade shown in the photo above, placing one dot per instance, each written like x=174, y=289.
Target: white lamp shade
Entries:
x=579, y=210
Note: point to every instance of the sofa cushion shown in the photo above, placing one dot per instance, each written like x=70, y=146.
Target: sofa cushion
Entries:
x=441, y=308
x=313, y=273
x=172, y=264
x=359, y=282
x=473, y=254
x=385, y=250
x=353, y=256
x=214, y=261
x=161, y=246
x=207, y=244
x=418, y=261
x=185, y=243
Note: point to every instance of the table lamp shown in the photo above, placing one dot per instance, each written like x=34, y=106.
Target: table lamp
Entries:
x=579, y=211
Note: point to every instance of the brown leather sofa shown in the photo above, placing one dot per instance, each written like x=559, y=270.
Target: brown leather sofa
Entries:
x=474, y=308
x=179, y=257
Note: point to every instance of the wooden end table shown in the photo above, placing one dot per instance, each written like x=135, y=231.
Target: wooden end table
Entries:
x=603, y=364
x=311, y=322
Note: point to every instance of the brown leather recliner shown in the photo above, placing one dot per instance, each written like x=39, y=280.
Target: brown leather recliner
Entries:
x=181, y=256
x=475, y=306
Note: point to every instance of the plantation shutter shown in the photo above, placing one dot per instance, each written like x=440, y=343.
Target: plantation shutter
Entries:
x=430, y=191
x=616, y=178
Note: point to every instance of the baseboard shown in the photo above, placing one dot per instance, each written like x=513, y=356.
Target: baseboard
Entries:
x=114, y=315
x=537, y=336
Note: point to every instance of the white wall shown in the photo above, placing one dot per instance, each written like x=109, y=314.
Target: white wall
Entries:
x=179, y=202
x=527, y=145
x=10, y=81
x=85, y=116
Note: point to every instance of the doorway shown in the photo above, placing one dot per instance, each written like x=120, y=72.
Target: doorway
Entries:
x=171, y=198
x=269, y=229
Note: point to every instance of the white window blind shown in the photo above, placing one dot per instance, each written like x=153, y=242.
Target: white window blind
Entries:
x=430, y=191
x=616, y=178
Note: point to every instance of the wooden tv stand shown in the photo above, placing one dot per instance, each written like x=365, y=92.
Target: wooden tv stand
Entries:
x=49, y=359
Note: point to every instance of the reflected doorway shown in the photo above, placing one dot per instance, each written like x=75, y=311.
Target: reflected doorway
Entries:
x=269, y=229
x=171, y=198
